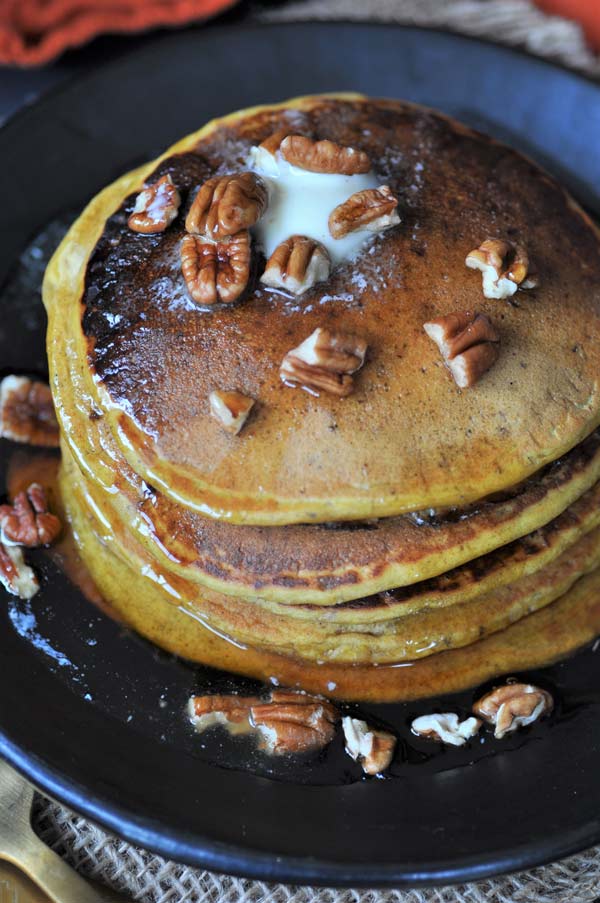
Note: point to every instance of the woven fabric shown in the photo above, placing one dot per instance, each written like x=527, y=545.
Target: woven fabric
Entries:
x=151, y=879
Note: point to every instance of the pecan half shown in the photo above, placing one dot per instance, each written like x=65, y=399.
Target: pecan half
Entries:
x=15, y=575
x=297, y=264
x=374, y=749
x=323, y=156
x=295, y=722
x=216, y=271
x=468, y=342
x=513, y=706
x=504, y=265
x=373, y=209
x=27, y=412
x=324, y=362
x=155, y=207
x=225, y=205
x=27, y=522
x=231, y=409
x=446, y=728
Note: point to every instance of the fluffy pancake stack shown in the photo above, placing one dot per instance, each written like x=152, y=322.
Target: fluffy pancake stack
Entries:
x=334, y=537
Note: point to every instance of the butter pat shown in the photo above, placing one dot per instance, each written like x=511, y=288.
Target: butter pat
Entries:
x=300, y=203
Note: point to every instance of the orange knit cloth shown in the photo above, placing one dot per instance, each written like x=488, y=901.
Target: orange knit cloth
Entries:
x=36, y=31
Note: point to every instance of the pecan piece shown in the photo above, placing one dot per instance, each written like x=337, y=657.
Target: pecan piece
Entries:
x=513, y=706
x=225, y=205
x=27, y=412
x=468, y=342
x=294, y=722
x=323, y=156
x=374, y=749
x=373, y=209
x=297, y=264
x=216, y=271
x=15, y=575
x=504, y=265
x=324, y=362
x=205, y=711
x=231, y=409
x=155, y=207
x=27, y=522
x=446, y=727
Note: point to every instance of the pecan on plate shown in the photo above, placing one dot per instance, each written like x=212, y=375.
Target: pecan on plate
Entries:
x=225, y=205
x=27, y=412
x=446, y=727
x=323, y=156
x=296, y=265
x=231, y=409
x=468, y=342
x=504, y=267
x=15, y=575
x=324, y=362
x=28, y=522
x=216, y=271
x=374, y=749
x=205, y=711
x=513, y=706
x=293, y=722
x=373, y=209
x=155, y=207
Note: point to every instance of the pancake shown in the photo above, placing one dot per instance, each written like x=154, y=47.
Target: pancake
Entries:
x=408, y=439
x=299, y=564
x=424, y=632
x=539, y=639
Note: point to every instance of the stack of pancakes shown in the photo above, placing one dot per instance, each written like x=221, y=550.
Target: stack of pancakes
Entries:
x=335, y=539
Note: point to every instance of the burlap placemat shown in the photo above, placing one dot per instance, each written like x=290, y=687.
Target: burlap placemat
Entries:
x=150, y=878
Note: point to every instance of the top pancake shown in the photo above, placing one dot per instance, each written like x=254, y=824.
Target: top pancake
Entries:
x=408, y=438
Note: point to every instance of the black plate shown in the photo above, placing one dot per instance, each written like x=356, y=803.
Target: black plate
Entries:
x=92, y=714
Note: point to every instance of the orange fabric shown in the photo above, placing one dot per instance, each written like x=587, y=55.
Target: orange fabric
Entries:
x=36, y=31
x=587, y=12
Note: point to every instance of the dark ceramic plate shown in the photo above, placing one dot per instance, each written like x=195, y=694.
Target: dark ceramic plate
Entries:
x=94, y=715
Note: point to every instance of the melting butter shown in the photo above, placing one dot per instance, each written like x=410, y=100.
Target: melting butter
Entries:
x=300, y=203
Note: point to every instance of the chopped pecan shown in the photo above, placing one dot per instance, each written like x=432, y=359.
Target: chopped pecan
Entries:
x=15, y=575
x=323, y=156
x=225, y=205
x=324, y=362
x=513, y=706
x=297, y=264
x=373, y=209
x=504, y=265
x=294, y=722
x=445, y=727
x=27, y=522
x=374, y=749
x=208, y=710
x=155, y=207
x=468, y=342
x=216, y=271
x=231, y=409
x=27, y=412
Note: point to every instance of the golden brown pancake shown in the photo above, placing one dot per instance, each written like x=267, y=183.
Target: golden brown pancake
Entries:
x=539, y=639
x=424, y=631
x=408, y=438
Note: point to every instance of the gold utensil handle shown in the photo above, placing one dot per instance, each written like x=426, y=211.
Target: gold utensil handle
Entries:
x=20, y=846
x=56, y=879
